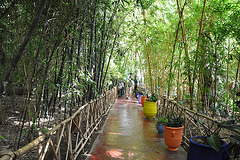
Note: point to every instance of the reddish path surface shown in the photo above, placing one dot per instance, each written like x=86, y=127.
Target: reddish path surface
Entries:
x=126, y=134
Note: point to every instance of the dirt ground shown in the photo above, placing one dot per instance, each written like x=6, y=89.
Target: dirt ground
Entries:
x=13, y=107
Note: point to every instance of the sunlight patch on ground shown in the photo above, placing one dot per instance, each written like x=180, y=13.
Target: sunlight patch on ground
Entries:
x=115, y=133
x=131, y=154
x=115, y=153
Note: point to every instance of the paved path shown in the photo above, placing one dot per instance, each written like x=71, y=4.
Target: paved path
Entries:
x=126, y=134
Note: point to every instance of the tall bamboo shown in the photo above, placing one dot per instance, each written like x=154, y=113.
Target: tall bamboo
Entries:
x=235, y=86
x=187, y=55
x=22, y=47
x=147, y=52
x=227, y=107
x=173, y=51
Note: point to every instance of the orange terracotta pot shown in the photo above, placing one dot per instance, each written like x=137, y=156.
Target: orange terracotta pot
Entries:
x=173, y=137
x=143, y=99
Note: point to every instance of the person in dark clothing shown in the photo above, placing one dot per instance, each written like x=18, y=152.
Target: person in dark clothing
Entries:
x=120, y=88
x=123, y=88
x=135, y=84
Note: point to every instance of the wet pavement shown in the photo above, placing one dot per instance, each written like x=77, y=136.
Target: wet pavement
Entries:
x=127, y=134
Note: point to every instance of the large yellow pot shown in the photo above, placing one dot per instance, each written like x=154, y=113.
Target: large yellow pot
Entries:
x=150, y=109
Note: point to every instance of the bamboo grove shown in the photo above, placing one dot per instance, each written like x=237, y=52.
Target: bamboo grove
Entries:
x=189, y=51
x=64, y=53
x=57, y=54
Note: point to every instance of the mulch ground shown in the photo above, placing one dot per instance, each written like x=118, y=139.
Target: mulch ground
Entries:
x=13, y=107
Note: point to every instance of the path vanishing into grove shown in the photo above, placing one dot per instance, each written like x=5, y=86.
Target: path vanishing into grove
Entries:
x=127, y=134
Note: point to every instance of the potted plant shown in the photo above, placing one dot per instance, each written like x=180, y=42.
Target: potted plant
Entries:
x=143, y=99
x=150, y=106
x=213, y=147
x=159, y=126
x=173, y=131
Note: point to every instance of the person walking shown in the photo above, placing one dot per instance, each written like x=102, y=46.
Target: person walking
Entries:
x=119, y=88
x=123, y=87
x=129, y=90
x=135, y=84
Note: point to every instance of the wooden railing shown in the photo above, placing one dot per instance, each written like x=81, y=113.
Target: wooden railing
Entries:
x=67, y=139
x=192, y=126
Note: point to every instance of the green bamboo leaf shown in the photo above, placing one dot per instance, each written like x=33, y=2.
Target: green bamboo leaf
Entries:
x=228, y=122
x=235, y=140
x=2, y=137
x=214, y=141
x=44, y=130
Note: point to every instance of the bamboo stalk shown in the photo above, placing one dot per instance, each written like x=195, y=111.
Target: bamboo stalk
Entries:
x=227, y=107
x=79, y=129
x=77, y=140
x=45, y=150
x=52, y=146
x=68, y=133
x=60, y=139
x=23, y=46
x=186, y=143
x=191, y=111
x=80, y=149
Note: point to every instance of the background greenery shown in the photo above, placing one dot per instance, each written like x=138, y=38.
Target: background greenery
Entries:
x=186, y=50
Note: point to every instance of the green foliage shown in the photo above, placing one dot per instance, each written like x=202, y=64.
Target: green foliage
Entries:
x=2, y=137
x=142, y=91
x=152, y=98
x=44, y=130
x=145, y=4
x=234, y=146
x=67, y=55
x=214, y=141
x=214, y=138
x=175, y=120
x=237, y=102
x=162, y=120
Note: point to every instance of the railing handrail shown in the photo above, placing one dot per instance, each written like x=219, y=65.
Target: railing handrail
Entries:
x=41, y=138
x=196, y=113
x=187, y=109
x=167, y=105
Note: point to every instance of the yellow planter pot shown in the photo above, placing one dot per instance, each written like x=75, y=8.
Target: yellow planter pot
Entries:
x=150, y=109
